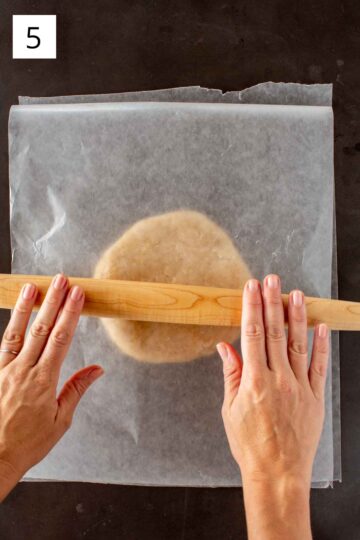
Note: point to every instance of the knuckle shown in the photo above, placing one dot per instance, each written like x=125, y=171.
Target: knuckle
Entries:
x=274, y=332
x=284, y=386
x=273, y=299
x=72, y=308
x=297, y=347
x=77, y=387
x=322, y=347
x=52, y=298
x=319, y=368
x=50, y=360
x=43, y=378
x=251, y=301
x=17, y=376
x=21, y=308
x=256, y=383
x=40, y=329
x=253, y=332
x=60, y=337
x=12, y=339
x=298, y=316
x=229, y=371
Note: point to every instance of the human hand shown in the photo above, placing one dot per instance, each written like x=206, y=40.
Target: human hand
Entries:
x=32, y=417
x=273, y=408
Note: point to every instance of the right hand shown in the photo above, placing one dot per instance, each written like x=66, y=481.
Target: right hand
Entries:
x=273, y=410
x=273, y=407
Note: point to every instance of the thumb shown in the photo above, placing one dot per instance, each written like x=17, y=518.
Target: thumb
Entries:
x=232, y=369
x=74, y=389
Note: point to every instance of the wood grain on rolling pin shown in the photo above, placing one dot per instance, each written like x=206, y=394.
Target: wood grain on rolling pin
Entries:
x=169, y=303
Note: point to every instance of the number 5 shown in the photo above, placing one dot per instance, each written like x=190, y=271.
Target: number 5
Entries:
x=34, y=37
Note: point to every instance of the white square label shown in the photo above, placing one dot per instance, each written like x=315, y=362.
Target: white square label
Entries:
x=34, y=36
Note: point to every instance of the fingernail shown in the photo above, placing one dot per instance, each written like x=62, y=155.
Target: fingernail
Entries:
x=28, y=291
x=323, y=331
x=273, y=282
x=297, y=298
x=222, y=350
x=76, y=293
x=253, y=285
x=60, y=282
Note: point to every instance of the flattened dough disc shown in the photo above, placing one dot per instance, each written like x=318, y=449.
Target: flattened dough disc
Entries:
x=183, y=247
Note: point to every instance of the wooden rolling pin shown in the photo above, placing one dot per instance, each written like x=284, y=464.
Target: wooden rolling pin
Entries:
x=169, y=303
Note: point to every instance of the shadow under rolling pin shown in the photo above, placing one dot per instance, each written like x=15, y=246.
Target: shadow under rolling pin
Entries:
x=170, y=303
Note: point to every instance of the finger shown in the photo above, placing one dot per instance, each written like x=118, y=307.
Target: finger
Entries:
x=61, y=335
x=45, y=319
x=319, y=361
x=297, y=336
x=274, y=324
x=252, y=328
x=14, y=335
x=72, y=392
x=232, y=368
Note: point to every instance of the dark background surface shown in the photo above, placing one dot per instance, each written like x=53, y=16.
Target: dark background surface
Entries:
x=118, y=45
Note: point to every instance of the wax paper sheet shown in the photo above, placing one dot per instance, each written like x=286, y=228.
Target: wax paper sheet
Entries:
x=265, y=93
x=84, y=168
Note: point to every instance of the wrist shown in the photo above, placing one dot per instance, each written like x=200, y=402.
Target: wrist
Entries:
x=280, y=485
x=9, y=477
x=277, y=507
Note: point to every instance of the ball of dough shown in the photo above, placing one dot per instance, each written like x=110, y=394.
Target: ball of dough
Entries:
x=183, y=247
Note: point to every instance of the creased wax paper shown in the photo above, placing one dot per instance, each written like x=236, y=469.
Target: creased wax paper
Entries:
x=83, y=168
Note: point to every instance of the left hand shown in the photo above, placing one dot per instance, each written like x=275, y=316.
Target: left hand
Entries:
x=32, y=417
